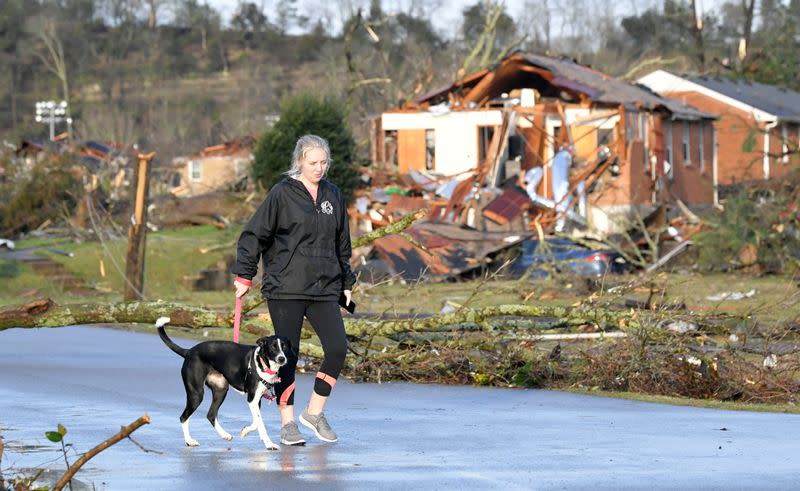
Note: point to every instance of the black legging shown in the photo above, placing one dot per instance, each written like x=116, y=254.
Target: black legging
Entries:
x=326, y=319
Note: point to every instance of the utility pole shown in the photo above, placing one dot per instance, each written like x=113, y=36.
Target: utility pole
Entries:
x=137, y=233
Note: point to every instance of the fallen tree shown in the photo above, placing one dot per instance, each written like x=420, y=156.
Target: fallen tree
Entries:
x=46, y=313
x=604, y=347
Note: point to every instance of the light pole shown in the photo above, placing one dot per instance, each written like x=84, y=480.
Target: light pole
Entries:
x=52, y=112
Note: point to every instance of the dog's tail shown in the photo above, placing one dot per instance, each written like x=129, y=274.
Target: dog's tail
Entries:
x=160, y=323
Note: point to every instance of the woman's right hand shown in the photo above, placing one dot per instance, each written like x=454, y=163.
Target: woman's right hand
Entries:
x=241, y=288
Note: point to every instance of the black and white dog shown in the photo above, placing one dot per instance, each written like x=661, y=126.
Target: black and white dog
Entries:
x=251, y=370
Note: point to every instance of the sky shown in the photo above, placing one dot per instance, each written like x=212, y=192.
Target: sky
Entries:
x=445, y=18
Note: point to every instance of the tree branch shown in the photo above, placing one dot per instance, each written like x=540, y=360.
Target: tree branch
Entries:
x=123, y=433
x=394, y=228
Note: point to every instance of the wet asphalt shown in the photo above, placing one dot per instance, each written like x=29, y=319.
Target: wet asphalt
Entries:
x=391, y=436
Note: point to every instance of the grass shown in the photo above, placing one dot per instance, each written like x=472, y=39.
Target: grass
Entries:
x=776, y=298
x=173, y=257
x=170, y=257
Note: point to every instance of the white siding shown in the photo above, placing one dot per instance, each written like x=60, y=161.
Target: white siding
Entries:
x=456, y=134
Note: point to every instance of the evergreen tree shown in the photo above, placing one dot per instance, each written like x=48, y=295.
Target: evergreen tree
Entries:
x=308, y=114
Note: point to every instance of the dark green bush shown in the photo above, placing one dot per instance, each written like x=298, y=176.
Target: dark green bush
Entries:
x=308, y=114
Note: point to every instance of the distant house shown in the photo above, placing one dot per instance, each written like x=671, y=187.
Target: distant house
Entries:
x=517, y=115
x=215, y=168
x=758, y=128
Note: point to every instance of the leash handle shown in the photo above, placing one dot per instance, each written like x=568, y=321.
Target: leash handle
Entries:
x=237, y=319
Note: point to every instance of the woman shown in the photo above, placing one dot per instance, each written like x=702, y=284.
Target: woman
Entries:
x=302, y=236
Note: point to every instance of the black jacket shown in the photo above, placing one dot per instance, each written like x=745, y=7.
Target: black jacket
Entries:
x=304, y=246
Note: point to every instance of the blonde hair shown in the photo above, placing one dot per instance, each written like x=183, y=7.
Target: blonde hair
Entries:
x=303, y=145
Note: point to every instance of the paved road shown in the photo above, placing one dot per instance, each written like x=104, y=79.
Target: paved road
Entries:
x=392, y=436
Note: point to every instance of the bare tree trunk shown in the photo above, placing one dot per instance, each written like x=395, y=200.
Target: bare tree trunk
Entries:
x=137, y=233
x=480, y=56
x=55, y=61
x=546, y=23
x=348, y=55
x=13, y=93
x=152, y=12
x=748, y=8
x=697, y=33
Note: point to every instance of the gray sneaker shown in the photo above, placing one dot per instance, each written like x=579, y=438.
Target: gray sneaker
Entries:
x=320, y=425
x=290, y=434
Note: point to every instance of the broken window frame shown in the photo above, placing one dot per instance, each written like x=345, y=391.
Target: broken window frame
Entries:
x=430, y=149
x=553, y=132
x=669, y=147
x=485, y=134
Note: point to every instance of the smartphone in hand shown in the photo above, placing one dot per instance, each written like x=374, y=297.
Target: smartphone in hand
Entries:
x=350, y=307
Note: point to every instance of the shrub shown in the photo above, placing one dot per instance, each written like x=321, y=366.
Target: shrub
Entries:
x=301, y=115
x=762, y=219
x=49, y=191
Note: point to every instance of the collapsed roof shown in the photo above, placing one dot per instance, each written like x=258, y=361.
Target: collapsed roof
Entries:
x=560, y=78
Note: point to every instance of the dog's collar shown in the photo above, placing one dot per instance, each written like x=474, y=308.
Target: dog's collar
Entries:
x=263, y=365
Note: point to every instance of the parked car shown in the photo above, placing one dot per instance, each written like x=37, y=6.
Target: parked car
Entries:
x=565, y=256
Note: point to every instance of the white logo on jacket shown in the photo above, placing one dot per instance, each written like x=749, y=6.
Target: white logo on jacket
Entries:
x=327, y=207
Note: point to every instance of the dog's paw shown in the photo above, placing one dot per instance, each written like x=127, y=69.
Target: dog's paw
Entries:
x=192, y=443
x=246, y=431
x=271, y=446
x=227, y=436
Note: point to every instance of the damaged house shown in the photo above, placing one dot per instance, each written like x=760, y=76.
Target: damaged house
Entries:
x=107, y=162
x=215, y=168
x=758, y=128
x=492, y=127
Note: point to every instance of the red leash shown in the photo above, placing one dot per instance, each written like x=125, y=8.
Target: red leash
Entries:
x=237, y=314
x=237, y=319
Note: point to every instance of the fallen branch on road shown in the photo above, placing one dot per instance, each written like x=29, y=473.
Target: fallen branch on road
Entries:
x=124, y=432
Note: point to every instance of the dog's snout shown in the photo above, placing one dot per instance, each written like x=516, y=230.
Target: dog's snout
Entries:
x=281, y=359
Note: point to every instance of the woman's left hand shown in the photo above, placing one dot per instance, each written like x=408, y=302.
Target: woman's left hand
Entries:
x=348, y=295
